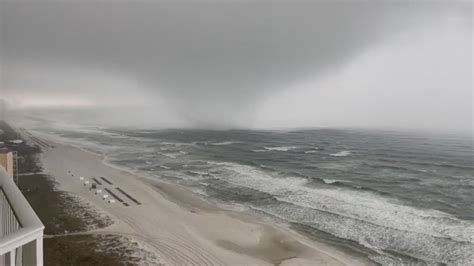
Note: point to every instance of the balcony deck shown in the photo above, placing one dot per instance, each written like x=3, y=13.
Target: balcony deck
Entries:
x=21, y=231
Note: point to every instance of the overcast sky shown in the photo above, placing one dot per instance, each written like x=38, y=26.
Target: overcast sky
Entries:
x=399, y=64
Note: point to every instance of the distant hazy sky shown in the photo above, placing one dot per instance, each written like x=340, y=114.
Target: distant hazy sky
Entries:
x=382, y=64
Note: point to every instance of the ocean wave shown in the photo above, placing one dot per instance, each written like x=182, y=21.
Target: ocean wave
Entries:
x=176, y=144
x=263, y=166
x=396, y=167
x=350, y=211
x=341, y=154
x=334, y=166
x=283, y=148
x=288, y=173
x=199, y=191
x=243, y=174
x=330, y=181
x=172, y=155
x=312, y=150
x=198, y=173
x=426, y=163
x=424, y=234
x=344, y=184
x=223, y=143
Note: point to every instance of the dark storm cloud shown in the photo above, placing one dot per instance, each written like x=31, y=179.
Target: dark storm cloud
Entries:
x=215, y=60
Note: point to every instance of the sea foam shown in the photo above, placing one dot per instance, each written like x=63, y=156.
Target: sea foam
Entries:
x=365, y=217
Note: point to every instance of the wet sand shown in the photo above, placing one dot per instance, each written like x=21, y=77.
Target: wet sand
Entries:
x=177, y=226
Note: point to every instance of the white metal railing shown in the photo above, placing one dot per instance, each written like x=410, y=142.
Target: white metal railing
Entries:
x=21, y=231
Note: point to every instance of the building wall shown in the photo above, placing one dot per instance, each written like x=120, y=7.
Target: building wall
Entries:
x=6, y=160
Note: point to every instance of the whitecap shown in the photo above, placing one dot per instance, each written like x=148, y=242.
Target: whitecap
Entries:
x=283, y=148
x=341, y=154
x=173, y=155
x=170, y=155
x=265, y=166
x=176, y=144
x=330, y=181
x=223, y=143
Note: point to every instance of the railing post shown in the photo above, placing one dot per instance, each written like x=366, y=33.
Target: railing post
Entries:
x=39, y=251
x=19, y=256
x=29, y=253
x=12, y=258
x=2, y=210
x=33, y=252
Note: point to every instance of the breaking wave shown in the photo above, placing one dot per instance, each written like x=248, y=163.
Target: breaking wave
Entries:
x=362, y=216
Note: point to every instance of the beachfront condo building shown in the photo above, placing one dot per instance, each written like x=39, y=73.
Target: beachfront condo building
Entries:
x=7, y=161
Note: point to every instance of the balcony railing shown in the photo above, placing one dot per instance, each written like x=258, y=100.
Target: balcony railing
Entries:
x=21, y=232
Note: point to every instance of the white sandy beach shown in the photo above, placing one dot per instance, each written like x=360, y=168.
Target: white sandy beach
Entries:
x=180, y=228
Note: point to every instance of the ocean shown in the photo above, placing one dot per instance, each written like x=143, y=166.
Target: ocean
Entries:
x=398, y=198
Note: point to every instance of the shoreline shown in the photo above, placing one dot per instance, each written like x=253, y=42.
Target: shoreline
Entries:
x=68, y=220
x=241, y=238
